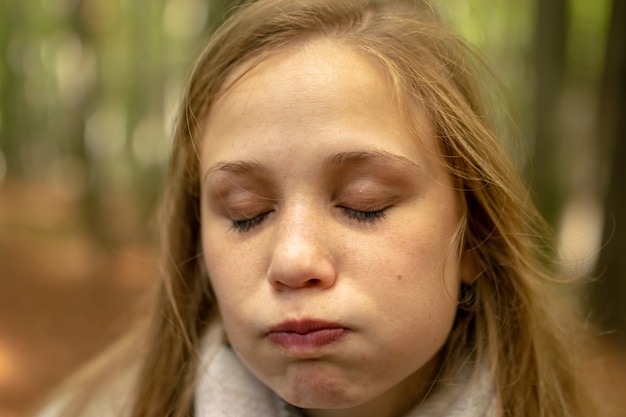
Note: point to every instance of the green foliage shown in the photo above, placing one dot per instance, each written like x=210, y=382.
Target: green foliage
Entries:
x=89, y=92
x=88, y=89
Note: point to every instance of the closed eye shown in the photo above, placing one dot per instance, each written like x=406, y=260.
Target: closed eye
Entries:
x=245, y=225
x=364, y=216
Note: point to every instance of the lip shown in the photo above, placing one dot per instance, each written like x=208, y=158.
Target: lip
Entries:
x=306, y=336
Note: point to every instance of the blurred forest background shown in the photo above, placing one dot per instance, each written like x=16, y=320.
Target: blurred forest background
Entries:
x=88, y=94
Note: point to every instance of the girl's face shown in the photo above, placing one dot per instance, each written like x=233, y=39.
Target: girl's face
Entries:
x=328, y=231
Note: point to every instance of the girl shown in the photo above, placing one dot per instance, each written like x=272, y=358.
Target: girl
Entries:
x=344, y=234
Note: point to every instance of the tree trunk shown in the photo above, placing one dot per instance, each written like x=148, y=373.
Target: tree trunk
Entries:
x=608, y=293
x=550, y=48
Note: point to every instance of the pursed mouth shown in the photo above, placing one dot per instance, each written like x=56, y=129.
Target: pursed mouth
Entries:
x=303, y=327
x=302, y=336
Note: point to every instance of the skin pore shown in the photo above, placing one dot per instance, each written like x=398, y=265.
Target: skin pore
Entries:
x=328, y=233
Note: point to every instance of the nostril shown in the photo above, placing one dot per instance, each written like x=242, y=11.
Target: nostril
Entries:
x=309, y=283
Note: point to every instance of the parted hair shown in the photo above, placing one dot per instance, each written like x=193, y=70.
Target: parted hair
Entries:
x=510, y=322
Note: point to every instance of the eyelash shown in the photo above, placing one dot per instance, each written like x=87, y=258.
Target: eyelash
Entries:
x=245, y=225
x=364, y=216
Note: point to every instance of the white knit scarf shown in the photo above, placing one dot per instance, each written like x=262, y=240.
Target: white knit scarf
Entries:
x=228, y=389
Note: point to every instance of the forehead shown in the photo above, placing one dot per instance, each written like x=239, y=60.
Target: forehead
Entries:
x=315, y=85
x=308, y=66
x=333, y=54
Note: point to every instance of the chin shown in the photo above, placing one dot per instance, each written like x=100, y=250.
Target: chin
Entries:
x=322, y=391
x=326, y=401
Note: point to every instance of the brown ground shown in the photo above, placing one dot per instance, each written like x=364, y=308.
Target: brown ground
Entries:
x=63, y=298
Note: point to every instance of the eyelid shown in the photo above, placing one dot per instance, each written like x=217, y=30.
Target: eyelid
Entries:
x=367, y=200
x=228, y=191
x=243, y=205
x=365, y=204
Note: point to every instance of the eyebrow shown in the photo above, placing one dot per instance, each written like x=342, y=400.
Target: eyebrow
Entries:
x=342, y=158
x=236, y=167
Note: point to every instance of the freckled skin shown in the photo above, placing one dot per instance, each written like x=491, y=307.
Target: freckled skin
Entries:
x=304, y=229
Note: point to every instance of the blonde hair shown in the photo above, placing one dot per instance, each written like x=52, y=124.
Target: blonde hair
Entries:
x=513, y=325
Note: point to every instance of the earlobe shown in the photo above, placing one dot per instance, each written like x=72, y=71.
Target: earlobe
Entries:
x=468, y=297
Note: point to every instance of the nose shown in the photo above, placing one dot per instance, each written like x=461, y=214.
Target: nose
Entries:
x=300, y=257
